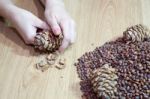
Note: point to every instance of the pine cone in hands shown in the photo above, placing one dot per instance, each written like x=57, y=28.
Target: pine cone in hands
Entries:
x=137, y=33
x=104, y=81
x=47, y=41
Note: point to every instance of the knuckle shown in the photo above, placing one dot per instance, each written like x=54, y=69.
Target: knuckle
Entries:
x=49, y=14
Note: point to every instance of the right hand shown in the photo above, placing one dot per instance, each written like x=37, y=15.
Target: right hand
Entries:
x=60, y=22
x=26, y=24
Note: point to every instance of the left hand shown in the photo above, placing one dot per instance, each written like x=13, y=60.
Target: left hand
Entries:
x=24, y=22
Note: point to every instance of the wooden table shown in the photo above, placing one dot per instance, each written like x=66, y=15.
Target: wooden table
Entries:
x=97, y=21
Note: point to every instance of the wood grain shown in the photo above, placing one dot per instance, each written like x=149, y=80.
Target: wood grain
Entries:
x=97, y=21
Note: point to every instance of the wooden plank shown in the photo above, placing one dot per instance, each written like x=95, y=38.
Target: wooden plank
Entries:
x=97, y=21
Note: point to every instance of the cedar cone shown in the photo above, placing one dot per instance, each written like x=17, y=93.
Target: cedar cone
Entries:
x=104, y=81
x=47, y=41
x=137, y=33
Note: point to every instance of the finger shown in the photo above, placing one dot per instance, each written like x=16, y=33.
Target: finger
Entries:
x=66, y=41
x=53, y=24
x=40, y=24
x=29, y=35
x=64, y=45
x=65, y=26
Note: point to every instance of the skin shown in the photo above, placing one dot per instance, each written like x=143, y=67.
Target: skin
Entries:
x=26, y=23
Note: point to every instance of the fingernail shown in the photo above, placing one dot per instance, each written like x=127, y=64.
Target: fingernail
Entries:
x=56, y=31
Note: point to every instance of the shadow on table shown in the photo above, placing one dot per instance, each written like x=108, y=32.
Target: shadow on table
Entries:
x=40, y=9
x=14, y=40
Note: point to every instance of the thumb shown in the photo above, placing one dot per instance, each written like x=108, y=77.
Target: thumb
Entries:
x=40, y=24
x=29, y=35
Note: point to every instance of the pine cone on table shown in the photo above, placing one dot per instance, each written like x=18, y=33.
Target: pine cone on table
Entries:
x=104, y=81
x=137, y=33
x=47, y=41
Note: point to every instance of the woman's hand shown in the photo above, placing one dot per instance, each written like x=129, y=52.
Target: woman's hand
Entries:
x=26, y=23
x=60, y=22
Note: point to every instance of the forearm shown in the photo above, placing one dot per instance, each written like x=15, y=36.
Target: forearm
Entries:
x=6, y=8
x=9, y=11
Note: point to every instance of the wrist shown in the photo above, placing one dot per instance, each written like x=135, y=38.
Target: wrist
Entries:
x=7, y=11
